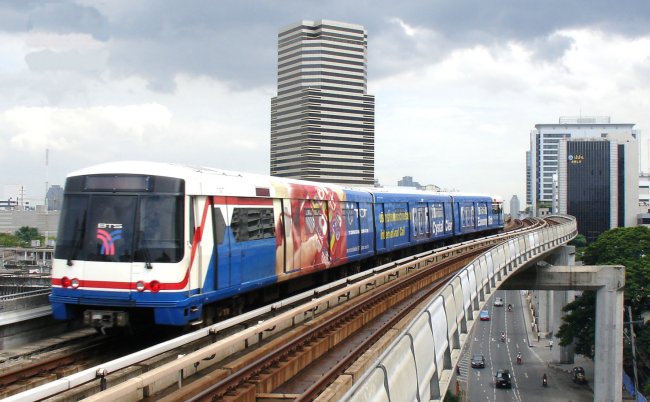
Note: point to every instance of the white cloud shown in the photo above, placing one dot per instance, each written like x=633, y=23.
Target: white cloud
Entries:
x=465, y=122
x=455, y=103
x=74, y=129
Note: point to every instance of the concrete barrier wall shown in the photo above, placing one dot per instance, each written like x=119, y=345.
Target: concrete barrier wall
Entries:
x=439, y=329
x=418, y=364
x=24, y=303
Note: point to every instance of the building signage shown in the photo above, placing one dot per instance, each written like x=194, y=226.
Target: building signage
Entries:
x=577, y=158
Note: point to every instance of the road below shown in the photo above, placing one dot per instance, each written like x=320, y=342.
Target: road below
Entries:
x=478, y=383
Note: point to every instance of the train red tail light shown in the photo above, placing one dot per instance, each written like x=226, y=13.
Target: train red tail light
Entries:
x=155, y=286
x=66, y=282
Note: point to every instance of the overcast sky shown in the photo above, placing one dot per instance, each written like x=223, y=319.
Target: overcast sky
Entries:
x=458, y=85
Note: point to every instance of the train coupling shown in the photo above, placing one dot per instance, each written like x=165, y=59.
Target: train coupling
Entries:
x=101, y=319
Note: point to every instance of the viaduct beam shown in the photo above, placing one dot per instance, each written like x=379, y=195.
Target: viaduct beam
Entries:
x=608, y=282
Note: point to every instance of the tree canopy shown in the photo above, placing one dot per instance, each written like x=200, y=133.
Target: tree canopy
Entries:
x=27, y=234
x=629, y=247
x=620, y=246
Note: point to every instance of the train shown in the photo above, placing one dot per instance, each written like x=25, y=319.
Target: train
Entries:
x=175, y=245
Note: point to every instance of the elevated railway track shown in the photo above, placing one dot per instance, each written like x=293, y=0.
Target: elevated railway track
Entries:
x=262, y=353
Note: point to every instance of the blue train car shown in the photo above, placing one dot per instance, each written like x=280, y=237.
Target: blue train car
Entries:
x=181, y=245
x=409, y=219
x=471, y=213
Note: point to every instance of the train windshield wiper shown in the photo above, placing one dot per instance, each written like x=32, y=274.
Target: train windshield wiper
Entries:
x=145, y=250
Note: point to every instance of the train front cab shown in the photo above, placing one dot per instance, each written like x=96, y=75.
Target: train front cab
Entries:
x=120, y=241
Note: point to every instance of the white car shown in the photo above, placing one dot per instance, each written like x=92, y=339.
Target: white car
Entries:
x=498, y=302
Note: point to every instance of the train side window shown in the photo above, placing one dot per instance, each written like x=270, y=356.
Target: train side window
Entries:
x=252, y=224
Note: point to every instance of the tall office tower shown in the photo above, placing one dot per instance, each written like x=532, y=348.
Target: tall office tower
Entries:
x=529, y=189
x=514, y=207
x=598, y=183
x=544, y=143
x=54, y=198
x=322, y=120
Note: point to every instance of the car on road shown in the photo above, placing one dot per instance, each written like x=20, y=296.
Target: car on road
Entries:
x=579, y=375
x=484, y=315
x=498, y=302
x=478, y=361
x=502, y=379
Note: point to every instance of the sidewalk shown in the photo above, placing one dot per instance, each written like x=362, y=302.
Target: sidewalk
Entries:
x=539, y=345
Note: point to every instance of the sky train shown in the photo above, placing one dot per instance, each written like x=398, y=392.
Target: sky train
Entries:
x=177, y=245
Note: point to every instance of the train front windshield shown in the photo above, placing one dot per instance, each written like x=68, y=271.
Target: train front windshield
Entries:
x=121, y=218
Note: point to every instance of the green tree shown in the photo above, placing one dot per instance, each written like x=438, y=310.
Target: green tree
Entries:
x=8, y=240
x=629, y=247
x=450, y=397
x=620, y=246
x=579, y=241
x=26, y=234
x=579, y=324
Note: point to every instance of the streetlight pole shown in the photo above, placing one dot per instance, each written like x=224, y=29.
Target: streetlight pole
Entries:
x=633, y=339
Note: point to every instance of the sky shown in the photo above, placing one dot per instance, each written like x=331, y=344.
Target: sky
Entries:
x=458, y=84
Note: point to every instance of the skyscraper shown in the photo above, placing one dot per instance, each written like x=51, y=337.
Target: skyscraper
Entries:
x=598, y=183
x=544, y=146
x=323, y=120
x=514, y=207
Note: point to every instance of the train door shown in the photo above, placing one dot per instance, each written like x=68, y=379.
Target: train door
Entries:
x=420, y=221
x=219, y=269
x=285, y=251
x=367, y=228
x=108, y=236
x=202, y=240
x=351, y=221
x=253, y=247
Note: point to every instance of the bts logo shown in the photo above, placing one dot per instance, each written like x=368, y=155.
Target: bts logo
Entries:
x=108, y=238
x=109, y=226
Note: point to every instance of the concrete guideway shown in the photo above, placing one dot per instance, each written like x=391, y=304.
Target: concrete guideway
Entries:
x=442, y=328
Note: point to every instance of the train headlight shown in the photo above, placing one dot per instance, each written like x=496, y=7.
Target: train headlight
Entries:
x=140, y=286
x=155, y=286
x=66, y=282
x=74, y=283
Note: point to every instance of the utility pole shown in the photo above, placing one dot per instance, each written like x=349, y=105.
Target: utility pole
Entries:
x=633, y=342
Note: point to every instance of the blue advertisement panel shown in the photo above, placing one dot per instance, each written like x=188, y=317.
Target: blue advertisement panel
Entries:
x=394, y=219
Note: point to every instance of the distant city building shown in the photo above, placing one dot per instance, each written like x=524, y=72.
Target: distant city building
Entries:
x=46, y=222
x=598, y=182
x=542, y=158
x=644, y=190
x=407, y=181
x=323, y=120
x=529, y=175
x=644, y=200
x=54, y=198
x=514, y=207
x=431, y=187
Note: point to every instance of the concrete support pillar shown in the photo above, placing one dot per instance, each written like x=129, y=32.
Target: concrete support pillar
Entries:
x=562, y=256
x=608, y=282
x=608, y=381
x=544, y=298
x=560, y=354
